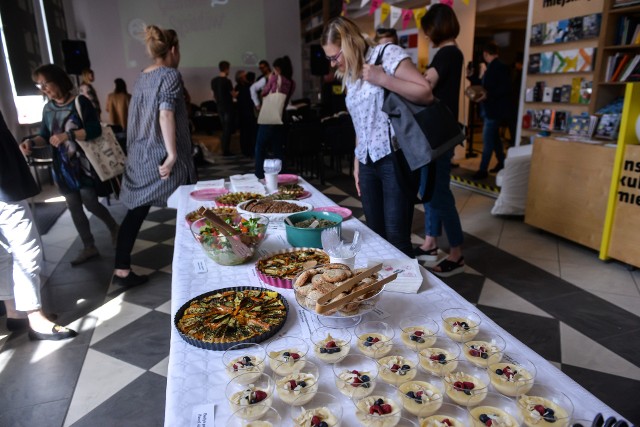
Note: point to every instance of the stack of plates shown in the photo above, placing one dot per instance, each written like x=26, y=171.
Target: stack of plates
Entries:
x=248, y=183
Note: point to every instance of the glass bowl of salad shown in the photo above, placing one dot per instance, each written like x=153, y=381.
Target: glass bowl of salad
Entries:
x=226, y=250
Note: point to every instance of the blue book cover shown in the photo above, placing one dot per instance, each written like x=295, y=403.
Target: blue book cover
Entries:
x=562, y=31
x=546, y=62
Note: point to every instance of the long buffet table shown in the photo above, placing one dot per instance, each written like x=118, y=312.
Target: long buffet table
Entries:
x=196, y=379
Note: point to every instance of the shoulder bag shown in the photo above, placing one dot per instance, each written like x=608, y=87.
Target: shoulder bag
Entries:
x=272, y=107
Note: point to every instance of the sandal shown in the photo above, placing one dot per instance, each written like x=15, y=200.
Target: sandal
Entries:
x=430, y=255
x=449, y=268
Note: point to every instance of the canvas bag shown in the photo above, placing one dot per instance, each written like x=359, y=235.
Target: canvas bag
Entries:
x=424, y=132
x=272, y=107
x=104, y=152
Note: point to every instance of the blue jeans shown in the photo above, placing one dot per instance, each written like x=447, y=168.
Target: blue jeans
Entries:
x=386, y=207
x=269, y=136
x=491, y=142
x=441, y=209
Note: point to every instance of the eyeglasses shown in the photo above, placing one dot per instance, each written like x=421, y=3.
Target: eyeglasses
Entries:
x=334, y=58
x=43, y=85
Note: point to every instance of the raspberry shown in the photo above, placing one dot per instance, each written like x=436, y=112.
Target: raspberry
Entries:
x=375, y=409
x=315, y=420
x=468, y=385
x=260, y=395
x=356, y=382
x=375, y=340
x=295, y=356
x=330, y=344
x=292, y=384
x=447, y=422
x=386, y=408
x=355, y=372
x=418, y=333
x=458, y=385
x=474, y=353
x=539, y=409
x=488, y=423
x=394, y=368
x=235, y=367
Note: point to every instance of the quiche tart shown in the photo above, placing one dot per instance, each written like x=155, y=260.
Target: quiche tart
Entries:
x=222, y=318
x=233, y=199
x=281, y=268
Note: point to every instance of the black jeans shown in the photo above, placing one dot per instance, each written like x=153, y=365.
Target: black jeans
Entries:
x=226, y=121
x=127, y=235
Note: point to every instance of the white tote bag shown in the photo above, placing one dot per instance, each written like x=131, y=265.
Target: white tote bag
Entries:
x=272, y=107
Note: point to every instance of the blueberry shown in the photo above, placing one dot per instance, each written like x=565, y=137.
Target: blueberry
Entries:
x=365, y=385
x=286, y=354
x=484, y=418
x=411, y=394
x=413, y=338
x=418, y=400
x=323, y=350
x=246, y=359
x=549, y=418
x=549, y=411
x=405, y=367
x=484, y=355
x=498, y=371
x=467, y=392
x=420, y=340
x=367, y=344
x=365, y=378
x=442, y=362
x=369, y=339
x=442, y=356
x=302, y=384
x=248, y=364
x=323, y=424
x=337, y=349
x=379, y=402
x=465, y=325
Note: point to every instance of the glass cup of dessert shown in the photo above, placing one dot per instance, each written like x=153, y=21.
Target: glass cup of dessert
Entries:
x=249, y=398
x=382, y=408
x=375, y=339
x=485, y=348
x=460, y=325
x=422, y=396
x=500, y=410
x=303, y=381
x=324, y=410
x=399, y=366
x=356, y=375
x=418, y=332
x=541, y=405
x=244, y=359
x=270, y=418
x=513, y=375
x=285, y=353
x=439, y=358
x=466, y=384
x=406, y=422
x=448, y=414
x=330, y=344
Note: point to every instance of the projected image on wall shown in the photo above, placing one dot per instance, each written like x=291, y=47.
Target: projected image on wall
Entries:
x=213, y=30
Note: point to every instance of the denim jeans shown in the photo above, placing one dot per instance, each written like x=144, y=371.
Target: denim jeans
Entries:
x=491, y=142
x=273, y=137
x=441, y=211
x=386, y=207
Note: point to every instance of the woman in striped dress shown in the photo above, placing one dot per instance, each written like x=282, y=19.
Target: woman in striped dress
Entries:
x=158, y=145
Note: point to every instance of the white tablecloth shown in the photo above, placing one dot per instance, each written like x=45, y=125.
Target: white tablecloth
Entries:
x=196, y=379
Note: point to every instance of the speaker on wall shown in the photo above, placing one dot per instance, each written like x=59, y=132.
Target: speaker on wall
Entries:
x=319, y=62
x=76, y=56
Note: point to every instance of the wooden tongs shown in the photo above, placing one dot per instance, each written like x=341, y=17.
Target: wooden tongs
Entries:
x=323, y=305
x=238, y=241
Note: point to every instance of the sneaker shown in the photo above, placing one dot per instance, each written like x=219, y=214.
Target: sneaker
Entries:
x=85, y=255
x=429, y=255
x=132, y=279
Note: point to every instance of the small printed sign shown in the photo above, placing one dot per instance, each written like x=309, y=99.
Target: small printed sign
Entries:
x=203, y=415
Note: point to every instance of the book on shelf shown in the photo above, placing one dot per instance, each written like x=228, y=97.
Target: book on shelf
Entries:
x=574, y=31
x=619, y=67
x=546, y=62
x=562, y=31
x=547, y=95
x=557, y=94
x=629, y=69
x=537, y=34
x=593, y=121
x=538, y=91
x=578, y=126
x=536, y=119
x=608, y=126
x=611, y=66
x=565, y=95
x=576, y=83
x=561, y=121
x=547, y=119
x=550, y=33
x=534, y=63
x=586, y=88
x=591, y=25
x=625, y=3
x=627, y=31
x=528, y=94
x=527, y=119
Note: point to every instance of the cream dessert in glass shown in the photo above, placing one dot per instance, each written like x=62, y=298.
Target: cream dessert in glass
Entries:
x=448, y=415
x=270, y=418
x=422, y=396
x=495, y=410
x=460, y=325
x=484, y=349
x=398, y=367
x=300, y=383
x=330, y=344
x=375, y=339
x=244, y=359
x=248, y=400
x=287, y=354
x=355, y=375
x=545, y=406
x=440, y=358
x=323, y=408
x=466, y=384
x=382, y=408
x=514, y=375
x=418, y=332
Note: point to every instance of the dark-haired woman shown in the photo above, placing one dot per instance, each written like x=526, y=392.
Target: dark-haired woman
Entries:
x=118, y=104
x=61, y=127
x=274, y=136
x=441, y=27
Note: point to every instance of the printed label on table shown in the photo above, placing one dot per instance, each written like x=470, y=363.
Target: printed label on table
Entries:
x=200, y=265
x=203, y=415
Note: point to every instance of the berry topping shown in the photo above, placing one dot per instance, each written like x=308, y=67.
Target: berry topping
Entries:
x=315, y=421
x=295, y=356
x=475, y=353
x=468, y=385
x=323, y=424
x=418, y=333
x=483, y=418
x=246, y=359
x=355, y=372
x=302, y=383
x=356, y=382
x=375, y=409
x=484, y=355
x=259, y=396
x=379, y=402
x=386, y=408
x=435, y=356
x=411, y=394
x=365, y=378
x=235, y=367
x=292, y=384
x=447, y=422
x=330, y=344
x=286, y=354
x=463, y=325
x=405, y=367
x=539, y=409
x=499, y=371
x=323, y=350
x=394, y=368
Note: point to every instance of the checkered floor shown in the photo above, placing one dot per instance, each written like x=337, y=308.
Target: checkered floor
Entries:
x=556, y=297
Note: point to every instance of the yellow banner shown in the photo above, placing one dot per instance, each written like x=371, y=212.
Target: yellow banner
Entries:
x=418, y=14
x=385, y=10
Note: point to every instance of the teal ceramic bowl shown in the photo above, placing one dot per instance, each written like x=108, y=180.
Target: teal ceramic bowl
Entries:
x=309, y=237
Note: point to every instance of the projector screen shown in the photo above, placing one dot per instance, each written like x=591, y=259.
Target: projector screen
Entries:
x=214, y=30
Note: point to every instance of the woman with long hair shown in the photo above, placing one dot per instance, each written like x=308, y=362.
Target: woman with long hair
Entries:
x=86, y=89
x=388, y=206
x=158, y=145
x=118, y=104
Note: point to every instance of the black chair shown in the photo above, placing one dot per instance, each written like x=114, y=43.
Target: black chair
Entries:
x=304, y=148
x=41, y=157
x=339, y=141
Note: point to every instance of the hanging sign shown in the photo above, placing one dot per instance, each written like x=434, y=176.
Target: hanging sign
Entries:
x=396, y=13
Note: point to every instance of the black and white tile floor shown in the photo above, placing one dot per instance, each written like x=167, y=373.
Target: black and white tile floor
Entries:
x=557, y=297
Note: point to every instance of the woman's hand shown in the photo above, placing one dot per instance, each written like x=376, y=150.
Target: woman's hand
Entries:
x=373, y=74
x=356, y=174
x=165, y=168
x=58, y=139
x=25, y=147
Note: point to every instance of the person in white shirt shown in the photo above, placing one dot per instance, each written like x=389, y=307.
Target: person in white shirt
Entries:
x=256, y=88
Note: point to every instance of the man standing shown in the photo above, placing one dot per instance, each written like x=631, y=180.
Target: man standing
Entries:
x=495, y=107
x=256, y=88
x=222, y=89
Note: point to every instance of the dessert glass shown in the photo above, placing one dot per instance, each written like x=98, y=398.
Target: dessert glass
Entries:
x=484, y=349
x=418, y=332
x=495, y=405
x=557, y=408
x=244, y=359
x=270, y=418
x=460, y=324
x=285, y=353
x=466, y=384
x=323, y=405
x=457, y=416
x=306, y=379
x=382, y=408
x=399, y=366
x=375, y=339
x=353, y=366
x=341, y=339
x=524, y=374
x=440, y=358
x=422, y=396
x=406, y=422
x=257, y=392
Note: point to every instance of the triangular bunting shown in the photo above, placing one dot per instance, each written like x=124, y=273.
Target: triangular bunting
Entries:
x=375, y=4
x=407, y=14
x=418, y=14
x=385, y=10
x=396, y=13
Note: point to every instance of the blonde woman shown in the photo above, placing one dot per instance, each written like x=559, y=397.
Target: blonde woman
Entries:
x=386, y=200
x=158, y=145
x=86, y=89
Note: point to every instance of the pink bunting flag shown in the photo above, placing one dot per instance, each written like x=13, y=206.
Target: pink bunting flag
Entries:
x=447, y=2
x=407, y=14
x=375, y=4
